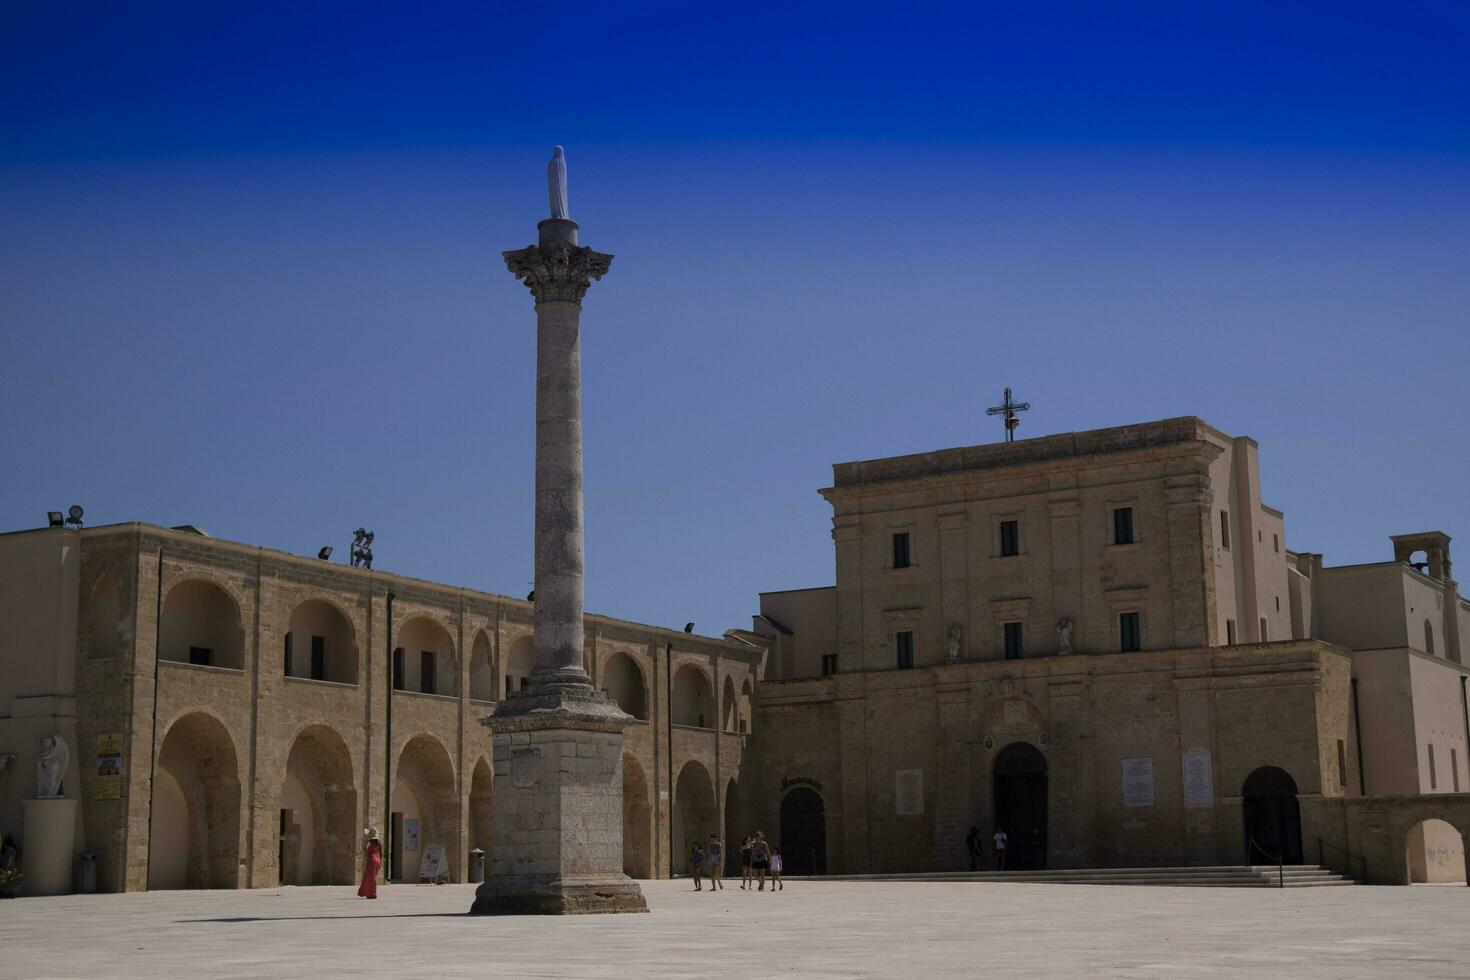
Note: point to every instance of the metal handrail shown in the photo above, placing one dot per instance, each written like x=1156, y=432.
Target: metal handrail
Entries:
x=1277, y=858
x=1345, y=853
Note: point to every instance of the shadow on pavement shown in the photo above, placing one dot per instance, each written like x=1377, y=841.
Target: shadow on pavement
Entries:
x=329, y=918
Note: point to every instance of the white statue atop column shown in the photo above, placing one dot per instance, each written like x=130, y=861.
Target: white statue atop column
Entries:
x=51, y=767
x=556, y=184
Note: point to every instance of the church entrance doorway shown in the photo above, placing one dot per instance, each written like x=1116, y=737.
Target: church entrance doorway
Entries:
x=1020, y=805
x=1272, y=817
x=803, y=832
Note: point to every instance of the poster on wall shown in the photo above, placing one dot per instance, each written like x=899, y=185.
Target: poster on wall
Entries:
x=410, y=834
x=109, y=767
x=1199, y=785
x=1138, y=782
x=908, y=792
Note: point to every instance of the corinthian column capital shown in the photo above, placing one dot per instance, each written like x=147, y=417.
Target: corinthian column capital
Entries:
x=557, y=271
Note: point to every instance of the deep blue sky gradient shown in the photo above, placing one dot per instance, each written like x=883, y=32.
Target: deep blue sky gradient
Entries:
x=250, y=272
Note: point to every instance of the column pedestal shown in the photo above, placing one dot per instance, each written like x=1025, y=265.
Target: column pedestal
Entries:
x=50, y=846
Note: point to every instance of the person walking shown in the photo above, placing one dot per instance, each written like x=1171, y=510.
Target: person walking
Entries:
x=760, y=859
x=776, y=865
x=972, y=847
x=1000, y=848
x=696, y=866
x=372, y=863
x=714, y=862
x=746, y=844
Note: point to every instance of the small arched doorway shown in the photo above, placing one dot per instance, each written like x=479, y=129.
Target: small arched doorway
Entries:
x=637, y=820
x=1436, y=853
x=803, y=832
x=318, y=804
x=481, y=784
x=1272, y=817
x=1020, y=804
x=695, y=813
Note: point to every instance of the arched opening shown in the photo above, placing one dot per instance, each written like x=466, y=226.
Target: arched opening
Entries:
x=1020, y=804
x=518, y=665
x=622, y=679
x=318, y=826
x=1272, y=817
x=481, y=783
x=201, y=626
x=320, y=644
x=694, y=700
x=734, y=827
x=747, y=709
x=637, y=821
x=729, y=708
x=1429, y=637
x=695, y=815
x=482, y=669
x=1436, y=853
x=424, y=659
x=106, y=613
x=195, y=841
x=803, y=832
x=425, y=808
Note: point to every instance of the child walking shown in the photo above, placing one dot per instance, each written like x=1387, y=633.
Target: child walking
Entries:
x=776, y=865
x=696, y=865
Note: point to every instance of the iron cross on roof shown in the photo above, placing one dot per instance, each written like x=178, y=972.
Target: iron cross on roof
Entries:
x=1009, y=407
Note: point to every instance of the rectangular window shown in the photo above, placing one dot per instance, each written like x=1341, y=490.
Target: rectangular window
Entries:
x=1278, y=603
x=1341, y=765
x=829, y=664
x=288, y=654
x=1433, y=776
x=1123, y=525
x=201, y=656
x=1225, y=529
x=1230, y=632
x=903, y=645
x=1455, y=768
x=1276, y=543
x=1263, y=629
x=510, y=685
x=1010, y=538
x=901, y=556
x=318, y=658
x=1130, y=632
x=398, y=669
x=426, y=671
x=1013, y=641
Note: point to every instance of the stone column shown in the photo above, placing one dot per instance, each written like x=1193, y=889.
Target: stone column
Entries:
x=557, y=797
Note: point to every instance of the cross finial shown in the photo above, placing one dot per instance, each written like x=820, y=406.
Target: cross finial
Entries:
x=1009, y=407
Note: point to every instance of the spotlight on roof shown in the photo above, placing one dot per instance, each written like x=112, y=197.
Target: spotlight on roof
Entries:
x=74, y=515
x=531, y=596
x=689, y=627
x=325, y=554
x=53, y=518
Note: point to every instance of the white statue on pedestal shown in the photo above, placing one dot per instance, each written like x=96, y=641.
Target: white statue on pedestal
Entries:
x=1064, y=636
x=556, y=184
x=51, y=767
x=955, y=634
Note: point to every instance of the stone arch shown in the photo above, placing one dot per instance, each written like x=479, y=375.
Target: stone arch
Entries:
x=482, y=782
x=747, y=707
x=729, y=707
x=694, y=698
x=637, y=821
x=1020, y=796
x=622, y=679
x=425, y=790
x=734, y=830
x=482, y=669
x=318, y=830
x=196, y=810
x=320, y=643
x=1271, y=816
x=519, y=664
x=424, y=657
x=1435, y=852
x=695, y=815
x=804, y=831
x=106, y=618
x=201, y=625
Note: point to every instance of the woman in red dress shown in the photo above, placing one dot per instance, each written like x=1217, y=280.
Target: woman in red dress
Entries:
x=371, y=865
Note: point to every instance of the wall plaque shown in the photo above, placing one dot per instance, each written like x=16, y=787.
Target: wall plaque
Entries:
x=1138, y=782
x=1199, y=784
x=525, y=767
x=908, y=792
x=109, y=767
x=1015, y=714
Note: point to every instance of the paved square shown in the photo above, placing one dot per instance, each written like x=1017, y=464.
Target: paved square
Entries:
x=830, y=929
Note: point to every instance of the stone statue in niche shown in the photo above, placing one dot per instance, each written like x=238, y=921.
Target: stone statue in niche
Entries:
x=51, y=767
x=1064, y=636
x=955, y=633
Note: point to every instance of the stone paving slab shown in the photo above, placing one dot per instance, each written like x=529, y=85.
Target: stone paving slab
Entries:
x=813, y=929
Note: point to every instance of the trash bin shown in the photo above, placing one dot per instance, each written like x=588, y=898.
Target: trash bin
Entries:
x=477, y=865
x=87, y=873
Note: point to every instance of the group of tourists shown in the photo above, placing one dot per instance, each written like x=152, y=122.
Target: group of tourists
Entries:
x=974, y=849
x=758, y=861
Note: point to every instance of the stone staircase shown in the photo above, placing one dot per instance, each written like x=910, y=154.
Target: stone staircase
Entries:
x=1219, y=876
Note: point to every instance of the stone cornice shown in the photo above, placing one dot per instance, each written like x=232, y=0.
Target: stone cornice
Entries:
x=557, y=271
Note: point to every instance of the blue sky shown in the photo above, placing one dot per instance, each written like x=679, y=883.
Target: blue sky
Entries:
x=250, y=273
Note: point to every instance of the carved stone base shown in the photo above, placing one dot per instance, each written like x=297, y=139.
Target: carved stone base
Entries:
x=557, y=805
